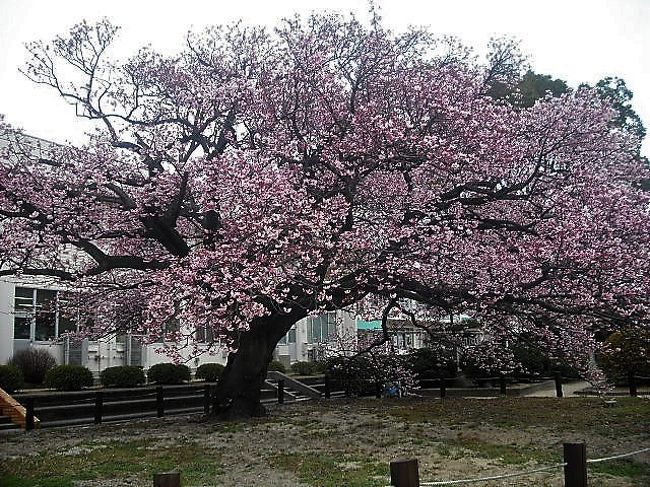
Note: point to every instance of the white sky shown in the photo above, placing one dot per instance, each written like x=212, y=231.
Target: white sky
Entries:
x=576, y=40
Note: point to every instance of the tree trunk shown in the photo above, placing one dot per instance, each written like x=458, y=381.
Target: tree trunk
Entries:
x=239, y=389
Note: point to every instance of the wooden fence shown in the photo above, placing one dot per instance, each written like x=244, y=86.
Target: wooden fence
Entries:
x=101, y=405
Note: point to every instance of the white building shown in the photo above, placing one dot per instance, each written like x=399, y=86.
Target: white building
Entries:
x=307, y=339
x=30, y=317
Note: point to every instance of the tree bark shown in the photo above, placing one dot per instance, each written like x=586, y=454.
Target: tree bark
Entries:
x=239, y=389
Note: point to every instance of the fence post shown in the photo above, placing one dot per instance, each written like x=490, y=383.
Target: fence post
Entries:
x=632, y=382
x=29, y=414
x=172, y=479
x=443, y=388
x=404, y=473
x=99, y=406
x=206, y=399
x=575, y=470
x=502, y=385
x=328, y=390
x=281, y=391
x=160, y=405
x=558, y=385
x=378, y=389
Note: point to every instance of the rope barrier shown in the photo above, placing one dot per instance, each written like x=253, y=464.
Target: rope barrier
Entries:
x=528, y=472
x=615, y=457
x=495, y=477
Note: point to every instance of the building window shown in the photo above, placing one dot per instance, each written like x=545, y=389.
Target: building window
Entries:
x=321, y=328
x=292, y=334
x=38, y=314
x=205, y=334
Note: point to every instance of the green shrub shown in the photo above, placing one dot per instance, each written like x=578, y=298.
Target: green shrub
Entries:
x=356, y=375
x=303, y=368
x=626, y=351
x=122, y=376
x=429, y=363
x=277, y=366
x=11, y=378
x=68, y=378
x=169, y=373
x=308, y=368
x=209, y=372
x=33, y=363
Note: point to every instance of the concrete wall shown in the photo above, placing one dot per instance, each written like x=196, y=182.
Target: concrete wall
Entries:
x=6, y=320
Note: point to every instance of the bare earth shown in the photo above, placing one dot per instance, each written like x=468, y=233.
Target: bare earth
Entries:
x=343, y=443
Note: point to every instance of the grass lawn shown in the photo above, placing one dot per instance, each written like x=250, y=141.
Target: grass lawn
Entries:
x=341, y=443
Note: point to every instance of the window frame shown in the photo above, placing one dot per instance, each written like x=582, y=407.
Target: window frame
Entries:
x=31, y=313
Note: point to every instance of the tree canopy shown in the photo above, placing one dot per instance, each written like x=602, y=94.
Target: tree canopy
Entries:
x=260, y=176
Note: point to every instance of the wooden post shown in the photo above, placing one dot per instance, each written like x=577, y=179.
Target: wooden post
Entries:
x=575, y=470
x=378, y=389
x=160, y=405
x=631, y=379
x=443, y=388
x=281, y=391
x=29, y=414
x=206, y=399
x=328, y=387
x=558, y=385
x=99, y=406
x=404, y=473
x=502, y=384
x=172, y=479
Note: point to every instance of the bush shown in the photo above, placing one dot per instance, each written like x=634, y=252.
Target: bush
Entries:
x=209, y=372
x=33, y=363
x=304, y=368
x=277, y=366
x=68, y=378
x=169, y=373
x=122, y=376
x=11, y=378
x=428, y=363
x=356, y=375
x=308, y=368
x=626, y=351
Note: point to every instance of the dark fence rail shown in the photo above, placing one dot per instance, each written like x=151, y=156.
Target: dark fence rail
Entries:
x=102, y=405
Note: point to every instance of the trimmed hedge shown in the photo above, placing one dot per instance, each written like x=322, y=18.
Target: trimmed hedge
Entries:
x=122, y=376
x=209, y=372
x=277, y=366
x=33, y=363
x=11, y=378
x=308, y=368
x=68, y=378
x=169, y=373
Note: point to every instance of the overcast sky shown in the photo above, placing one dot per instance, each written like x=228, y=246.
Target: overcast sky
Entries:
x=576, y=40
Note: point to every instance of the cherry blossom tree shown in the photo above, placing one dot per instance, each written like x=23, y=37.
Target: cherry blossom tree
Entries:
x=260, y=176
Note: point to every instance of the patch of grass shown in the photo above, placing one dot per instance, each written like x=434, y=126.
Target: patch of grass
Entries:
x=333, y=470
x=510, y=455
x=13, y=481
x=586, y=414
x=622, y=468
x=138, y=459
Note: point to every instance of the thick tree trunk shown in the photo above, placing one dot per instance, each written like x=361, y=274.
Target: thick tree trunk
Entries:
x=239, y=389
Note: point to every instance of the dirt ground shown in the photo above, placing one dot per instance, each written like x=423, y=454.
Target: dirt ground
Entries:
x=341, y=443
